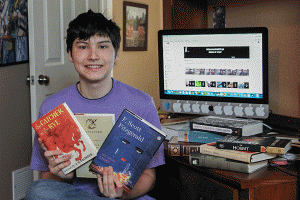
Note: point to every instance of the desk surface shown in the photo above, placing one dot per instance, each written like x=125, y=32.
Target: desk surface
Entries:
x=272, y=182
x=267, y=183
x=268, y=175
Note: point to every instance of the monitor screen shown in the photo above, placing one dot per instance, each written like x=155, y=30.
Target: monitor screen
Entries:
x=214, y=71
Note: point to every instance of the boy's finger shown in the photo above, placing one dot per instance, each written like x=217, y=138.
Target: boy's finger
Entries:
x=100, y=185
x=53, y=153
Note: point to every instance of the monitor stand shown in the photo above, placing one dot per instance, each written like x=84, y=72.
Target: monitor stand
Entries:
x=222, y=109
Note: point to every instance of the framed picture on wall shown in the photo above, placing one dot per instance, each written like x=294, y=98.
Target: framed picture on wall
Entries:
x=135, y=26
x=13, y=32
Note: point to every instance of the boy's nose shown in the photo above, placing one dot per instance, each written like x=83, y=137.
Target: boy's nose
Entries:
x=93, y=55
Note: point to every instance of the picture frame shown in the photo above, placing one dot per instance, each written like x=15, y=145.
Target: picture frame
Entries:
x=135, y=26
x=13, y=32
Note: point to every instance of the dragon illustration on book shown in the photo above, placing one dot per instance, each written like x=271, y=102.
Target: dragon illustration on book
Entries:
x=64, y=138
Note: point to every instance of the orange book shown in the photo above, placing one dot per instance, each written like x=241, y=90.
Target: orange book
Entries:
x=60, y=130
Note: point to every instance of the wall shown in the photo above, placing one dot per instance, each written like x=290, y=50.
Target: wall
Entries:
x=15, y=131
x=140, y=68
x=282, y=20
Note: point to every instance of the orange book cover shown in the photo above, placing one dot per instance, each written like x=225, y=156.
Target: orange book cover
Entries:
x=60, y=130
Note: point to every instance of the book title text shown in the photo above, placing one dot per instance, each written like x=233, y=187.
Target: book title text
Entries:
x=129, y=132
x=49, y=119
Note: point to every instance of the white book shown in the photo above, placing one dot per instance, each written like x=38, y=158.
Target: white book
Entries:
x=97, y=126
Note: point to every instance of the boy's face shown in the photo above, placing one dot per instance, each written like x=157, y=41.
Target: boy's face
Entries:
x=93, y=58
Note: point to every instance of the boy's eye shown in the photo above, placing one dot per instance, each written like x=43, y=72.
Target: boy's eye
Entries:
x=82, y=47
x=102, y=47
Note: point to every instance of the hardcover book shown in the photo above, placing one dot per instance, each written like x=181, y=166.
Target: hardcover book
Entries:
x=243, y=156
x=227, y=126
x=60, y=130
x=97, y=126
x=255, y=144
x=215, y=162
x=183, y=148
x=184, y=134
x=128, y=148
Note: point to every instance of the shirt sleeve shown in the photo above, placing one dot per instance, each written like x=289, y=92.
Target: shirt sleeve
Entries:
x=159, y=156
x=38, y=160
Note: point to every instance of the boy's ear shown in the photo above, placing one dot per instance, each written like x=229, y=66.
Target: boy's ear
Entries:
x=70, y=56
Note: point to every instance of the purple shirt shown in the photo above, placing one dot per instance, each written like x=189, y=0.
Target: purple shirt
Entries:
x=120, y=97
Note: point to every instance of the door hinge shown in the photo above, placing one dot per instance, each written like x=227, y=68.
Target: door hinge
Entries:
x=30, y=80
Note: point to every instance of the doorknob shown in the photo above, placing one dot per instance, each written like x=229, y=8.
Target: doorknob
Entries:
x=43, y=80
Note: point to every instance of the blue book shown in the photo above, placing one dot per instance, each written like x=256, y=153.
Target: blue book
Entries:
x=203, y=137
x=185, y=134
x=128, y=148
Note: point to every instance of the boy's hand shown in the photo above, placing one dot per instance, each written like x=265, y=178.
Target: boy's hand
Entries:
x=109, y=185
x=57, y=164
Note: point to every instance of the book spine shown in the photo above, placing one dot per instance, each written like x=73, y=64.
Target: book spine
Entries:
x=216, y=129
x=240, y=147
x=188, y=149
x=203, y=137
x=280, y=146
x=210, y=150
x=175, y=149
x=276, y=150
x=219, y=164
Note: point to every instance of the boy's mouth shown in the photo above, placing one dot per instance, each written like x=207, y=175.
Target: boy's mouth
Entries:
x=93, y=66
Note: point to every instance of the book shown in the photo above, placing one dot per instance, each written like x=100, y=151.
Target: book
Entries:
x=97, y=126
x=216, y=162
x=60, y=130
x=183, y=148
x=227, y=126
x=255, y=144
x=128, y=148
x=243, y=156
x=184, y=134
x=294, y=137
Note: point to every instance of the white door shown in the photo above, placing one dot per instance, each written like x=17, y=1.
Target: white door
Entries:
x=50, y=68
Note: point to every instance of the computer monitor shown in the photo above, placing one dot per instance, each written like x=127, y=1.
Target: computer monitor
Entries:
x=220, y=72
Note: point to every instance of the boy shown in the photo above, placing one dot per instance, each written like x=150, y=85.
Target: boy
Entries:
x=93, y=44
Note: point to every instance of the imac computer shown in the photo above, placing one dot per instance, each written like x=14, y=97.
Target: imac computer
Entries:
x=220, y=72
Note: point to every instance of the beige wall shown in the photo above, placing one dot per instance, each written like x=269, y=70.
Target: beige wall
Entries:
x=15, y=131
x=140, y=68
x=282, y=18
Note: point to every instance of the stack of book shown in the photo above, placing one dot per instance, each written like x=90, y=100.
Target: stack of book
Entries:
x=240, y=150
x=183, y=141
x=240, y=153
